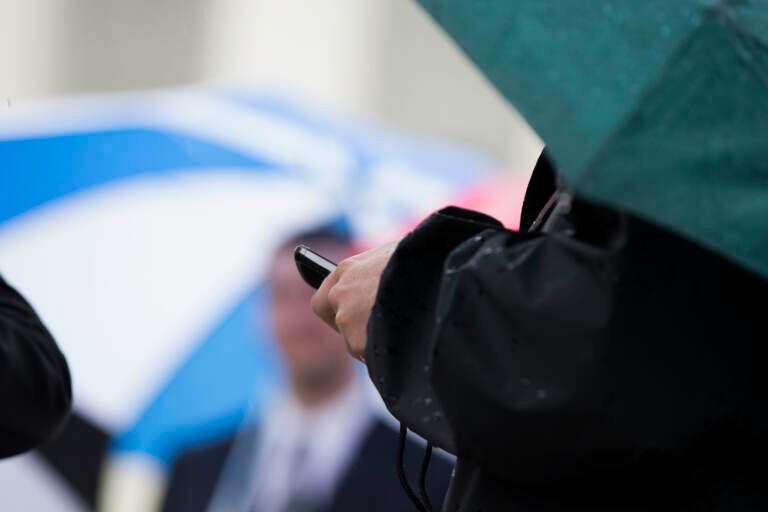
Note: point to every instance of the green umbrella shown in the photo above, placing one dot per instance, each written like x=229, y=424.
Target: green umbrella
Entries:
x=659, y=107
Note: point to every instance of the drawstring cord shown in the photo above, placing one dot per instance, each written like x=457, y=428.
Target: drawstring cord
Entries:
x=421, y=502
x=423, y=477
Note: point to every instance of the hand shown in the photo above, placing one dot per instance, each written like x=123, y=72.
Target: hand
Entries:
x=345, y=299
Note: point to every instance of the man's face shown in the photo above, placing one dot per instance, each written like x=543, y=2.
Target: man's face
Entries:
x=310, y=348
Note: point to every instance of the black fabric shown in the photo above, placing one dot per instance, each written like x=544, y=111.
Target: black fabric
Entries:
x=77, y=453
x=35, y=389
x=603, y=363
x=541, y=187
x=370, y=483
x=402, y=321
x=194, y=475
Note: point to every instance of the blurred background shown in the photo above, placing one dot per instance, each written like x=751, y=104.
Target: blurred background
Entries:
x=380, y=59
x=154, y=153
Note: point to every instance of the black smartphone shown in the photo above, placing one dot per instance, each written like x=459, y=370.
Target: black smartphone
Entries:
x=312, y=267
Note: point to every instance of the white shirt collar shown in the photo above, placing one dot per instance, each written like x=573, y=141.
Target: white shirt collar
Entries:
x=332, y=433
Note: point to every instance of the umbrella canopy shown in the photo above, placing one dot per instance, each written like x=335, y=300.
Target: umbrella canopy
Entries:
x=656, y=107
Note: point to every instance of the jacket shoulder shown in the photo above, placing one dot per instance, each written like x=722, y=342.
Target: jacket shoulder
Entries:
x=194, y=475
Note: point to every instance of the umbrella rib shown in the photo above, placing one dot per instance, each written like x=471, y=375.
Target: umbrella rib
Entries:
x=742, y=42
x=743, y=52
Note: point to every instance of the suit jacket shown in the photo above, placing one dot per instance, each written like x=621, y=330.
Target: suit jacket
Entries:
x=369, y=484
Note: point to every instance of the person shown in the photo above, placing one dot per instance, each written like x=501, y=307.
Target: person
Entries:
x=35, y=387
x=593, y=361
x=321, y=446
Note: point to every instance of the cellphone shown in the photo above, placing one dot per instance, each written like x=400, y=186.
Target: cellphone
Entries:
x=313, y=268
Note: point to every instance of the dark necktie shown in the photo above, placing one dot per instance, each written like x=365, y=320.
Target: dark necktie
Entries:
x=299, y=500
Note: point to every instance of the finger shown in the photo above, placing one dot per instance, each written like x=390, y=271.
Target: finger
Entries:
x=356, y=343
x=352, y=324
x=321, y=304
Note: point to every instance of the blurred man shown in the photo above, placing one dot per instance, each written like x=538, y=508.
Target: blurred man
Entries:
x=35, y=390
x=321, y=446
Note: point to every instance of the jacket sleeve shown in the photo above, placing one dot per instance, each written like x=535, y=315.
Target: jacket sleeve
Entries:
x=401, y=327
x=517, y=352
x=35, y=389
x=593, y=346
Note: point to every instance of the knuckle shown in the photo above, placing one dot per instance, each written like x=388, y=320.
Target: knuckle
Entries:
x=334, y=296
x=342, y=318
x=344, y=266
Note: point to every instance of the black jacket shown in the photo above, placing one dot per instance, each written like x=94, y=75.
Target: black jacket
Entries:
x=601, y=363
x=369, y=484
x=35, y=391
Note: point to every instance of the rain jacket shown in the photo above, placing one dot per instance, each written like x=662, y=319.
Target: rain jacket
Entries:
x=596, y=362
x=35, y=390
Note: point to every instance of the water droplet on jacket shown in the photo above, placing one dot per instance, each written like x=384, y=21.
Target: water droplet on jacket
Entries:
x=477, y=238
x=427, y=401
x=381, y=381
x=491, y=250
x=525, y=381
x=426, y=419
x=541, y=394
x=426, y=368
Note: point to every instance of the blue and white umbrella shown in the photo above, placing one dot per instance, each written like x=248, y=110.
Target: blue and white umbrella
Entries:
x=139, y=224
